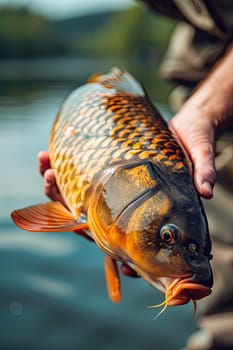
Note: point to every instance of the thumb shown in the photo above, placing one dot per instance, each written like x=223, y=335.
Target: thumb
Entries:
x=198, y=141
x=202, y=156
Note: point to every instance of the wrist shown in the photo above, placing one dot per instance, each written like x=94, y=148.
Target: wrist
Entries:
x=213, y=97
x=212, y=107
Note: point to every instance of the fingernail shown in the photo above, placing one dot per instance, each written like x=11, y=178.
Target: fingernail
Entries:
x=207, y=187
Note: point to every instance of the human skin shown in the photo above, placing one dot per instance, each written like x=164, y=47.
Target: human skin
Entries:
x=202, y=118
x=197, y=125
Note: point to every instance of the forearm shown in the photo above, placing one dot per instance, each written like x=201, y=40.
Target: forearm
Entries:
x=214, y=96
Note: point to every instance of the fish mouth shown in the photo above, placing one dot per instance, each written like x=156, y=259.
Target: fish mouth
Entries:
x=178, y=290
x=181, y=290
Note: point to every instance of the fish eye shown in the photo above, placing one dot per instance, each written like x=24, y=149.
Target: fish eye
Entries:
x=169, y=233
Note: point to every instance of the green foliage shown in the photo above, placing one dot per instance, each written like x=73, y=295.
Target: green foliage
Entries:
x=130, y=33
x=24, y=34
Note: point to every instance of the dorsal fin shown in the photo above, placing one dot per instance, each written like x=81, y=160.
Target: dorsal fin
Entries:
x=120, y=80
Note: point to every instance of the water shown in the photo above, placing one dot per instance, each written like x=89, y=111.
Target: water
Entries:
x=52, y=289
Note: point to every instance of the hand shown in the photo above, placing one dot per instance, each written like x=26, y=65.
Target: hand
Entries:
x=197, y=136
x=203, y=116
x=50, y=186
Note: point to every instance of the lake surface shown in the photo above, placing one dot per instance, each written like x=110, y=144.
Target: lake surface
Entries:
x=52, y=288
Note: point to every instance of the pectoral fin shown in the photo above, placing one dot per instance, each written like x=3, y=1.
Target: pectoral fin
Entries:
x=46, y=217
x=112, y=279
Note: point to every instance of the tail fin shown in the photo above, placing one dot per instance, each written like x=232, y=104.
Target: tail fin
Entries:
x=119, y=80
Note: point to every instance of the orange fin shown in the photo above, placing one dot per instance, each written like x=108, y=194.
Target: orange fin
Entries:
x=112, y=279
x=46, y=217
x=120, y=80
x=94, y=78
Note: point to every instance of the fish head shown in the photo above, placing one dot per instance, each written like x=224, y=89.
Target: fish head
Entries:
x=157, y=225
x=169, y=246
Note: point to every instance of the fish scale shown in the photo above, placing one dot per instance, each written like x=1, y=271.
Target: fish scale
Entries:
x=101, y=124
x=127, y=185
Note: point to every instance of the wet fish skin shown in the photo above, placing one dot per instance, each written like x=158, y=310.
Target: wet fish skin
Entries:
x=98, y=126
x=127, y=183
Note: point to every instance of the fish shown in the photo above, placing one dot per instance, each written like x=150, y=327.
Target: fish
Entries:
x=126, y=183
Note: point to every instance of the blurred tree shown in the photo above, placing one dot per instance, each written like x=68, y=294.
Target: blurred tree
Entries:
x=24, y=34
x=134, y=32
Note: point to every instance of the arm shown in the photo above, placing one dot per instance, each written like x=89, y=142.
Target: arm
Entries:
x=200, y=120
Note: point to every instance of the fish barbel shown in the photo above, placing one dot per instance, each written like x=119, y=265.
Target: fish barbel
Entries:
x=127, y=184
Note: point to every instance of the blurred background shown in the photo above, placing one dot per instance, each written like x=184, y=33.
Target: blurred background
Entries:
x=52, y=288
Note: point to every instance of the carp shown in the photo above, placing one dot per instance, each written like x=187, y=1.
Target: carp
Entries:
x=126, y=183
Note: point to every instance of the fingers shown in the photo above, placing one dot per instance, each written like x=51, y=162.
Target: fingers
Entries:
x=197, y=137
x=50, y=186
x=204, y=169
x=43, y=162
